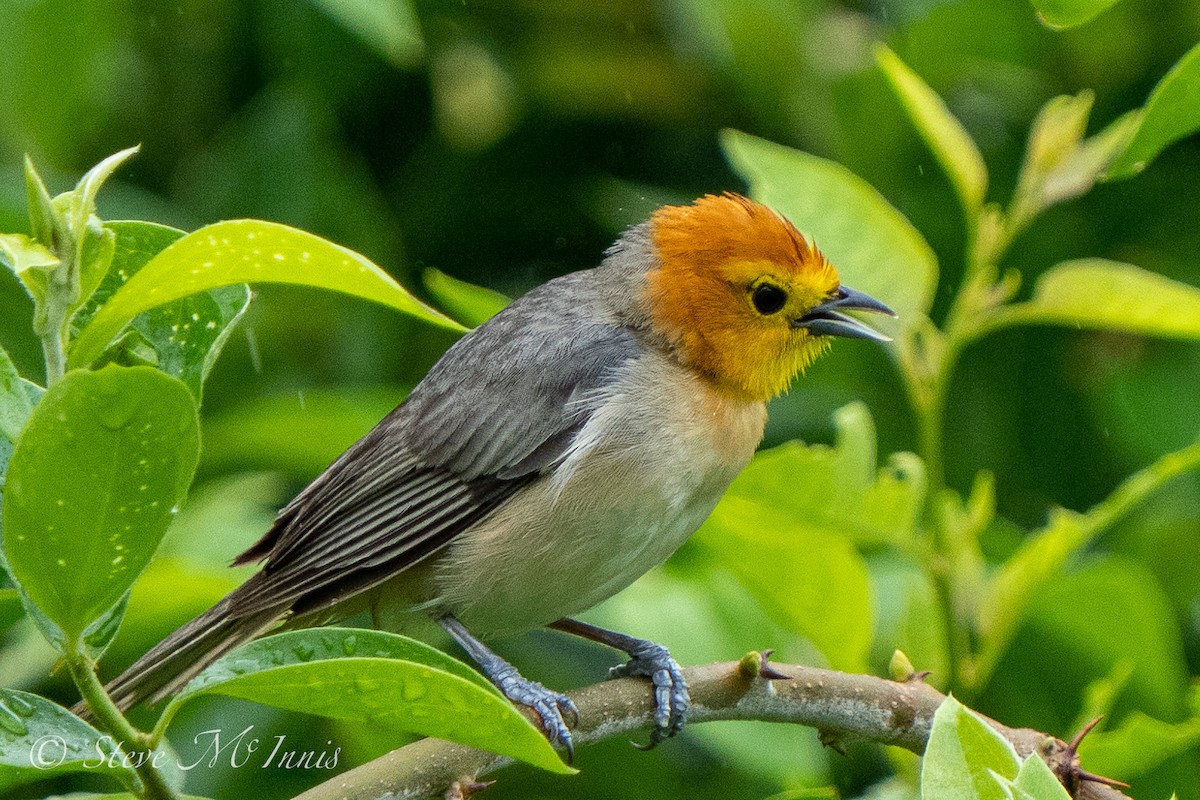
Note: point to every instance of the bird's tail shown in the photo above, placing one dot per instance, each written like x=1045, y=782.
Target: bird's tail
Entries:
x=174, y=661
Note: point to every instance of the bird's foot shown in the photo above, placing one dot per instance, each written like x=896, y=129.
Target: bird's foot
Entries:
x=653, y=661
x=551, y=707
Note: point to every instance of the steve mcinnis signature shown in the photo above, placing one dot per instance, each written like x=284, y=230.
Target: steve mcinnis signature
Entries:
x=244, y=750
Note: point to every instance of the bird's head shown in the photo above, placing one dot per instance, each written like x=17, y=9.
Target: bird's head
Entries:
x=743, y=297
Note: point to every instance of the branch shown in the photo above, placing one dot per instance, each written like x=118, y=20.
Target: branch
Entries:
x=841, y=706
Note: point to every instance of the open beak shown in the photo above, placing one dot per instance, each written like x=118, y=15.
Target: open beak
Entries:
x=827, y=319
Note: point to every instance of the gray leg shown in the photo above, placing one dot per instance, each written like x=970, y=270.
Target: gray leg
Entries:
x=548, y=705
x=649, y=660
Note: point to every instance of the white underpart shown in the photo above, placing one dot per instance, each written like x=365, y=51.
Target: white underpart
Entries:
x=642, y=475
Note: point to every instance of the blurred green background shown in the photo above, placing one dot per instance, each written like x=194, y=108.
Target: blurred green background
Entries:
x=508, y=141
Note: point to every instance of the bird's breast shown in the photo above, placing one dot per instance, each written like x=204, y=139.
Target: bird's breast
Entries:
x=657, y=451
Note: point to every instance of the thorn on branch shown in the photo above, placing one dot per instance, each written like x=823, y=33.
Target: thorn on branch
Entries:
x=1064, y=760
x=1091, y=777
x=767, y=672
x=1073, y=747
x=756, y=664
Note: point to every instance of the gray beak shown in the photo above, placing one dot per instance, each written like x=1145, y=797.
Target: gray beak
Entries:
x=827, y=319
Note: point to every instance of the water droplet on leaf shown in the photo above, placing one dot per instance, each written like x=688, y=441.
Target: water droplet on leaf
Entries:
x=365, y=684
x=10, y=722
x=20, y=705
x=412, y=690
x=116, y=412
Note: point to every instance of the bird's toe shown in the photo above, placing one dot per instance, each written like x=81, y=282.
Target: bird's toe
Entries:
x=671, y=698
x=551, y=708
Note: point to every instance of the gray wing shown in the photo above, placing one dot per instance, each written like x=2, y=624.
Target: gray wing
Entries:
x=496, y=411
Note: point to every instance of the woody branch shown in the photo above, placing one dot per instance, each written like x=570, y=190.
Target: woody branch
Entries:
x=841, y=706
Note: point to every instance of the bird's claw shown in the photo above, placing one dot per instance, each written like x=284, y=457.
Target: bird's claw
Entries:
x=550, y=707
x=671, y=699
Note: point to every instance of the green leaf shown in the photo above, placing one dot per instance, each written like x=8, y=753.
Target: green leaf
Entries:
x=10, y=609
x=1007, y=599
x=14, y=415
x=796, y=551
x=245, y=251
x=370, y=676
x=908, y=615
x=1089, y=619
x=323, y=644
x=104, y=461
x=39, y=739
x=846, y=492
x=1140, y=743
x=30, y=261
x=1101, y=695
x=389, y=27
x=952, y=146
x=15, y=402
x=43, y=219
x=188, y=334
x=83, y=203
x=1059, y=163
x=808, y=580
x=93, y=242
x=875, y=249
x=962, y=753
x=97, y=244
x=1070, y=13
x=469, y=304
x=1038, y=780
x=136, y=243
x=1098, y=294
x=1171, y=113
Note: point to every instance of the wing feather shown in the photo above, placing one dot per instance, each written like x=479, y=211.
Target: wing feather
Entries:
x=497, y=411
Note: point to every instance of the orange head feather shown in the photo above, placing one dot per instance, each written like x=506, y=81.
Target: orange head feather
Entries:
x=733, y=279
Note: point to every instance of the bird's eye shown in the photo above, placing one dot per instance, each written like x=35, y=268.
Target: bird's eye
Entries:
x=768, y=298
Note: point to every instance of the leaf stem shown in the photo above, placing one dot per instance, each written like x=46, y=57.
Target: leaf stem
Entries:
x=54, y=342
x=976, y=300
x=83, y=672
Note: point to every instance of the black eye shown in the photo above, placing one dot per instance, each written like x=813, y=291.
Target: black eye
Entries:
x=768, y=298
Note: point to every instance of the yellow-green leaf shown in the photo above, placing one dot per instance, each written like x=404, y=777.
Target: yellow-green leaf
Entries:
x=245, y=251
x=380, y=678
x=1096, y=293
x=466, y=302
x=963, y=757
x=1171, y=113
x=40, y=739
x=952, y=146
x=102, y=464
x=796, y=551
x=1070, y=13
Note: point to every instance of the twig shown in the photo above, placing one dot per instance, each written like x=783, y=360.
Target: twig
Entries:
x=841, y=706
x=126, y=738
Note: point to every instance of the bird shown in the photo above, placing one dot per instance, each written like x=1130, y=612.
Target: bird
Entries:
x=550, y=457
